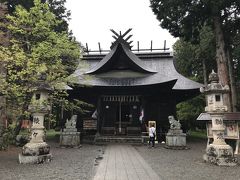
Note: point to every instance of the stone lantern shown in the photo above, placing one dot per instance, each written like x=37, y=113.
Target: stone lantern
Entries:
x=37, y=150
x=218, y=152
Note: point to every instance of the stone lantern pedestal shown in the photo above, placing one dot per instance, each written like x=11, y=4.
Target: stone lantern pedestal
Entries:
x=37, y=150
x=218, y=152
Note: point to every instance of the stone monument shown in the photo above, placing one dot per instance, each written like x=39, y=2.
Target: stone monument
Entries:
x=175, y=138
x=37, y=151
x=218, y=152
x=69, y=137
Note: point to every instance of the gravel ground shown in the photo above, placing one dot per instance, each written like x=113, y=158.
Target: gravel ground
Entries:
x=78, y=164
x=67, y=164
x=186, y=164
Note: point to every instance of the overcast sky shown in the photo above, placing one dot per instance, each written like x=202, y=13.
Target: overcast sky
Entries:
x=92, y=19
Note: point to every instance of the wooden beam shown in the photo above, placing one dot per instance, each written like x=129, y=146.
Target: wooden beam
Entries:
x=127, y=32
x=87, y=48
x=99, y=46
x=130, y=42
x=128, y=38
x=114, y=32
x=151, y=46
x=115, y=37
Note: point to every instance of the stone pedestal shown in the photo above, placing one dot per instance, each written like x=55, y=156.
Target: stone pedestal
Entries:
x=221, y=155
x=176, y=139
x=36, y=151
x=219, y=152
x=69, y=137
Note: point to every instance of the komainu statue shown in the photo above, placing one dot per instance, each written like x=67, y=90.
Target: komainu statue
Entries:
x=70, y=137
x=174, y=124
x=175, y=138
x=72, y=122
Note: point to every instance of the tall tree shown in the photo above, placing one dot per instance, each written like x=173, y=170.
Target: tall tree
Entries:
x=196, y=59
x=56, y=6
x=35, y=47
x=4, y=40
x=61, y=12
x=185, y=18
x=236, y=58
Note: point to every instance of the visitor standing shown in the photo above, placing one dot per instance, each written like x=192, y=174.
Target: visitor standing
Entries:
x=152, y=134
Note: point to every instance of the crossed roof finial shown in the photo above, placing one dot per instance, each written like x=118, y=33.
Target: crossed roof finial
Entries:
x=120, y=38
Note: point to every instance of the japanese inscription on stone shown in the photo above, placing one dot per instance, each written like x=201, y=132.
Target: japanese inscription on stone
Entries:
x=218, y=121
x=36, y=120
x=35, y=134
x=220, y=135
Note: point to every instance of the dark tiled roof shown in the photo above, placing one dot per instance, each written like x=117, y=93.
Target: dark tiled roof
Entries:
x=120, y=52
x=122, y=67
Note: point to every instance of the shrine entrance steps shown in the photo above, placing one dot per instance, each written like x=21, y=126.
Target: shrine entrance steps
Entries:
x=106, y=139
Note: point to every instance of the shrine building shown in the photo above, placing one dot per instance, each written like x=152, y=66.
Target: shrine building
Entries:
x=130, y=87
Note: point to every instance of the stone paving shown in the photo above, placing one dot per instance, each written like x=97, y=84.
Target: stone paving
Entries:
x=123, y=162
x=135, y=162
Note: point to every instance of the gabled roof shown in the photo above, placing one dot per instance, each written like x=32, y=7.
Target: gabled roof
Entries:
x=121, y=67
x=120, y=57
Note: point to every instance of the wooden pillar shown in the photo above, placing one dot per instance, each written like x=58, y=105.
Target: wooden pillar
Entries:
x=99, y=115
x=120, y=117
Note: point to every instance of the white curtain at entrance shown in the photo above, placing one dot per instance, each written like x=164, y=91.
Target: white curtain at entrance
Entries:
x=141, y=115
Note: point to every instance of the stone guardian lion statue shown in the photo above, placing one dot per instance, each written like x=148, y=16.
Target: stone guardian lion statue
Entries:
x=174, y=124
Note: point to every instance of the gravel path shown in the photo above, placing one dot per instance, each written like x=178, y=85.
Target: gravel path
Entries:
x=78, y=164
x=67, y=164
x=186, y=164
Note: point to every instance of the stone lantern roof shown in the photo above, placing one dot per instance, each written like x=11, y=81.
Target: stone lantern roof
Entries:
x=214, y=86
x=41, y=84
x=213, y=77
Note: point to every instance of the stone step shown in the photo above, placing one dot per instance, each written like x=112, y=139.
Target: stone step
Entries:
x=118, y=139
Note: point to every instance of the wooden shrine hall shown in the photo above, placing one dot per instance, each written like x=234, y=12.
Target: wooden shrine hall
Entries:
x=130, y=87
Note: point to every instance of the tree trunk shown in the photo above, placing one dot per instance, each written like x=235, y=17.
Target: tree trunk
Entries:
x=232, y=83
x=221, y=59
x=2, y=117
x=4, y=41
x=18, y=127
x=205, y=80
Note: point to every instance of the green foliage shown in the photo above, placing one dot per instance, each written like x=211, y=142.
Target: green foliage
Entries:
x=188, y=111
x=186, y=18
x=190, y=57
x=60, y=98
x=198, y=134
x=35, y=48
x=56, y=6
x=8, y=137
x=184, y=53
x=13, y=3
x=50, y=121
x=52, y=135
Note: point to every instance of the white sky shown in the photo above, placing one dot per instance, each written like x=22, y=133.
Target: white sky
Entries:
x=91, y=21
